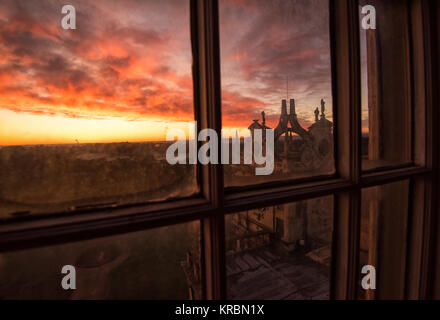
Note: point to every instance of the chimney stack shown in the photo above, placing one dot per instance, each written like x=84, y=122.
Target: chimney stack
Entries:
x=292, y=107
x=284, y=107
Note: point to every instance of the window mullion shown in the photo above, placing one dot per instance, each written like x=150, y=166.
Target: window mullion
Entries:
x=209, y=116
x=346, y=87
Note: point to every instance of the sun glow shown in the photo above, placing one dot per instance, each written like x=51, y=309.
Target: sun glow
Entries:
x=40, y=129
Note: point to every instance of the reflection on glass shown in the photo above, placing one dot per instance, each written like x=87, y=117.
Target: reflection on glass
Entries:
x=84, y=112
x=160, y=263
x=386, y=86
x=276, y=74
x=383, y=238
x=280, y=252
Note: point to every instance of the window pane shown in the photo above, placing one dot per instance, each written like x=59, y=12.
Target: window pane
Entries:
x=281, y=252
x=151, y=264
x=84, y=112
x=275, y=58
x=384, y=224
x=386, y=86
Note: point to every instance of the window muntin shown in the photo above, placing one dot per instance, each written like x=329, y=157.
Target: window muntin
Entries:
x=262, y=72
x=84, y=113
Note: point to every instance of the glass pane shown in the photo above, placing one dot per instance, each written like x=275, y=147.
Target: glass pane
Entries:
x=384, y=222
x=153, y=264
x=386, y=86
x=276, y=74
x=280, y=252
x=84, y=112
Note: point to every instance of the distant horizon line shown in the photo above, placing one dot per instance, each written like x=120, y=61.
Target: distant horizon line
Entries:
x=364, y=134
x=78, y=143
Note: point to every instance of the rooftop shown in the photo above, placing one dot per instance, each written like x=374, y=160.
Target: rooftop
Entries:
x=265, y=274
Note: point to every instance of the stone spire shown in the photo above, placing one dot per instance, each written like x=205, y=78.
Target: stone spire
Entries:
x=292, y=107
x=322, y=109
x=283, y=107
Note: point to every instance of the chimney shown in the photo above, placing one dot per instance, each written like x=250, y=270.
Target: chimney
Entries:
x=263, y=115
x=284, y=107
x=292, y=107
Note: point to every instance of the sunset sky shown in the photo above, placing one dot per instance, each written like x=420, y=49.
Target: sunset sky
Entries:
x=265, y=42
x=125, y=73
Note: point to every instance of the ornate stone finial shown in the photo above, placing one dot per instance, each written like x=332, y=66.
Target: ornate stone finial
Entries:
x=316, y=114
x=263, y=115
x=322, y=109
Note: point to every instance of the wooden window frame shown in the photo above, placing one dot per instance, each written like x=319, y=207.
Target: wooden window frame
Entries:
x=214, y=202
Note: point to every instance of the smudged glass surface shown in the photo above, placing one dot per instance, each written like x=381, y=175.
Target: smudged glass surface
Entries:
x=386, y=86
x=160, y=263
x=280, y=252
x=273, y=51
x=84, y=112
x=384, y=225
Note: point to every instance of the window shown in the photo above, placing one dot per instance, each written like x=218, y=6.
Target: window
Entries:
x=281, y=82
x=280, y=252
x=386, y=129
x=153, y=264
x=84, y=113
x=384, y=225
x=213, y=227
